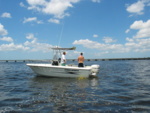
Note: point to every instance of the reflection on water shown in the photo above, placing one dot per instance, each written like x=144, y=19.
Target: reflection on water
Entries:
x=57, y=95
x=121, y=86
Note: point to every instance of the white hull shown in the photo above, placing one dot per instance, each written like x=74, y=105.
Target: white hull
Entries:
x=63, y=71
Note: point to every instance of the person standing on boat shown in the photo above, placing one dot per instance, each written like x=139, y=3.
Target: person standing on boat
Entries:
x=80, y=60
x=63, y=59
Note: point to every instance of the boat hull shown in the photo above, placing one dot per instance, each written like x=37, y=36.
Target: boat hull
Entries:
x=60, y=71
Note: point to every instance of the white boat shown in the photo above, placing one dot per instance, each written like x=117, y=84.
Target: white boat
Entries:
x=56, y=70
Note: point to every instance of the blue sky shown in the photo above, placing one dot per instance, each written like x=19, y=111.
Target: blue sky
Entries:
x=98, y=28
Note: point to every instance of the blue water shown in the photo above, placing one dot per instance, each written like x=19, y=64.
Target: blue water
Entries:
x=121, y=87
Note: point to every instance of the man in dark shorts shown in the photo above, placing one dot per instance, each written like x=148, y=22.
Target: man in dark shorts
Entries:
x=80, y=60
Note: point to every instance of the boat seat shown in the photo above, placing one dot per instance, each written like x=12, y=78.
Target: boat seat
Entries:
x=56, y=63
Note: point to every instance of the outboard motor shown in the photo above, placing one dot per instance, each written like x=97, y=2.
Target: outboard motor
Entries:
x=95, y=69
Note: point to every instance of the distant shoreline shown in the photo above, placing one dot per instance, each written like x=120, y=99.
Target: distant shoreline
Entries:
x=96, y=59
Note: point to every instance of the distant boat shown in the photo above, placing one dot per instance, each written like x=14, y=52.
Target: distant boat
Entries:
x=55, y=69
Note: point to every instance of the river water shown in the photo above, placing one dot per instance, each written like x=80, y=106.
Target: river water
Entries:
x=121, y=87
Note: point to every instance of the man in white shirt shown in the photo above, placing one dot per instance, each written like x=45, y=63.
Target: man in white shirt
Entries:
x=63, y=59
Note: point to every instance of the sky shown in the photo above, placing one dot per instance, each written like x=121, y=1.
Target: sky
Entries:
x=97, y=28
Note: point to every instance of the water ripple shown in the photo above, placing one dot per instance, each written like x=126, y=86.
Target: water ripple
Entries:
x=121, y=86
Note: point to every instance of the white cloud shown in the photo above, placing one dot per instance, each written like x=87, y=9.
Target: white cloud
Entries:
x=129, y=39
x=22, y=4
x=36, y=2
x=34, y=45
x=2, y=30
x=127, y=31
x=77, y=52
x=30, y=36
x=132, y=45
x=95, y=45
x=108, y=40
x=6, y=15
x=143, y=27
x=96, y=1
x=31, y=45
x=8, y=39
x=29, y=19
x=12, y=47
x=113, y=48
x=56, y=21
x=101, y=53
x=57, y=8
x=39, y=22
x=138, y=7
x=139, y=45
x=88, y=43
x=32, y=19
x=95, y=35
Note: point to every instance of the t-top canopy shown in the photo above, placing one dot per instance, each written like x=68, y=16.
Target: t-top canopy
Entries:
x=57, y=48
